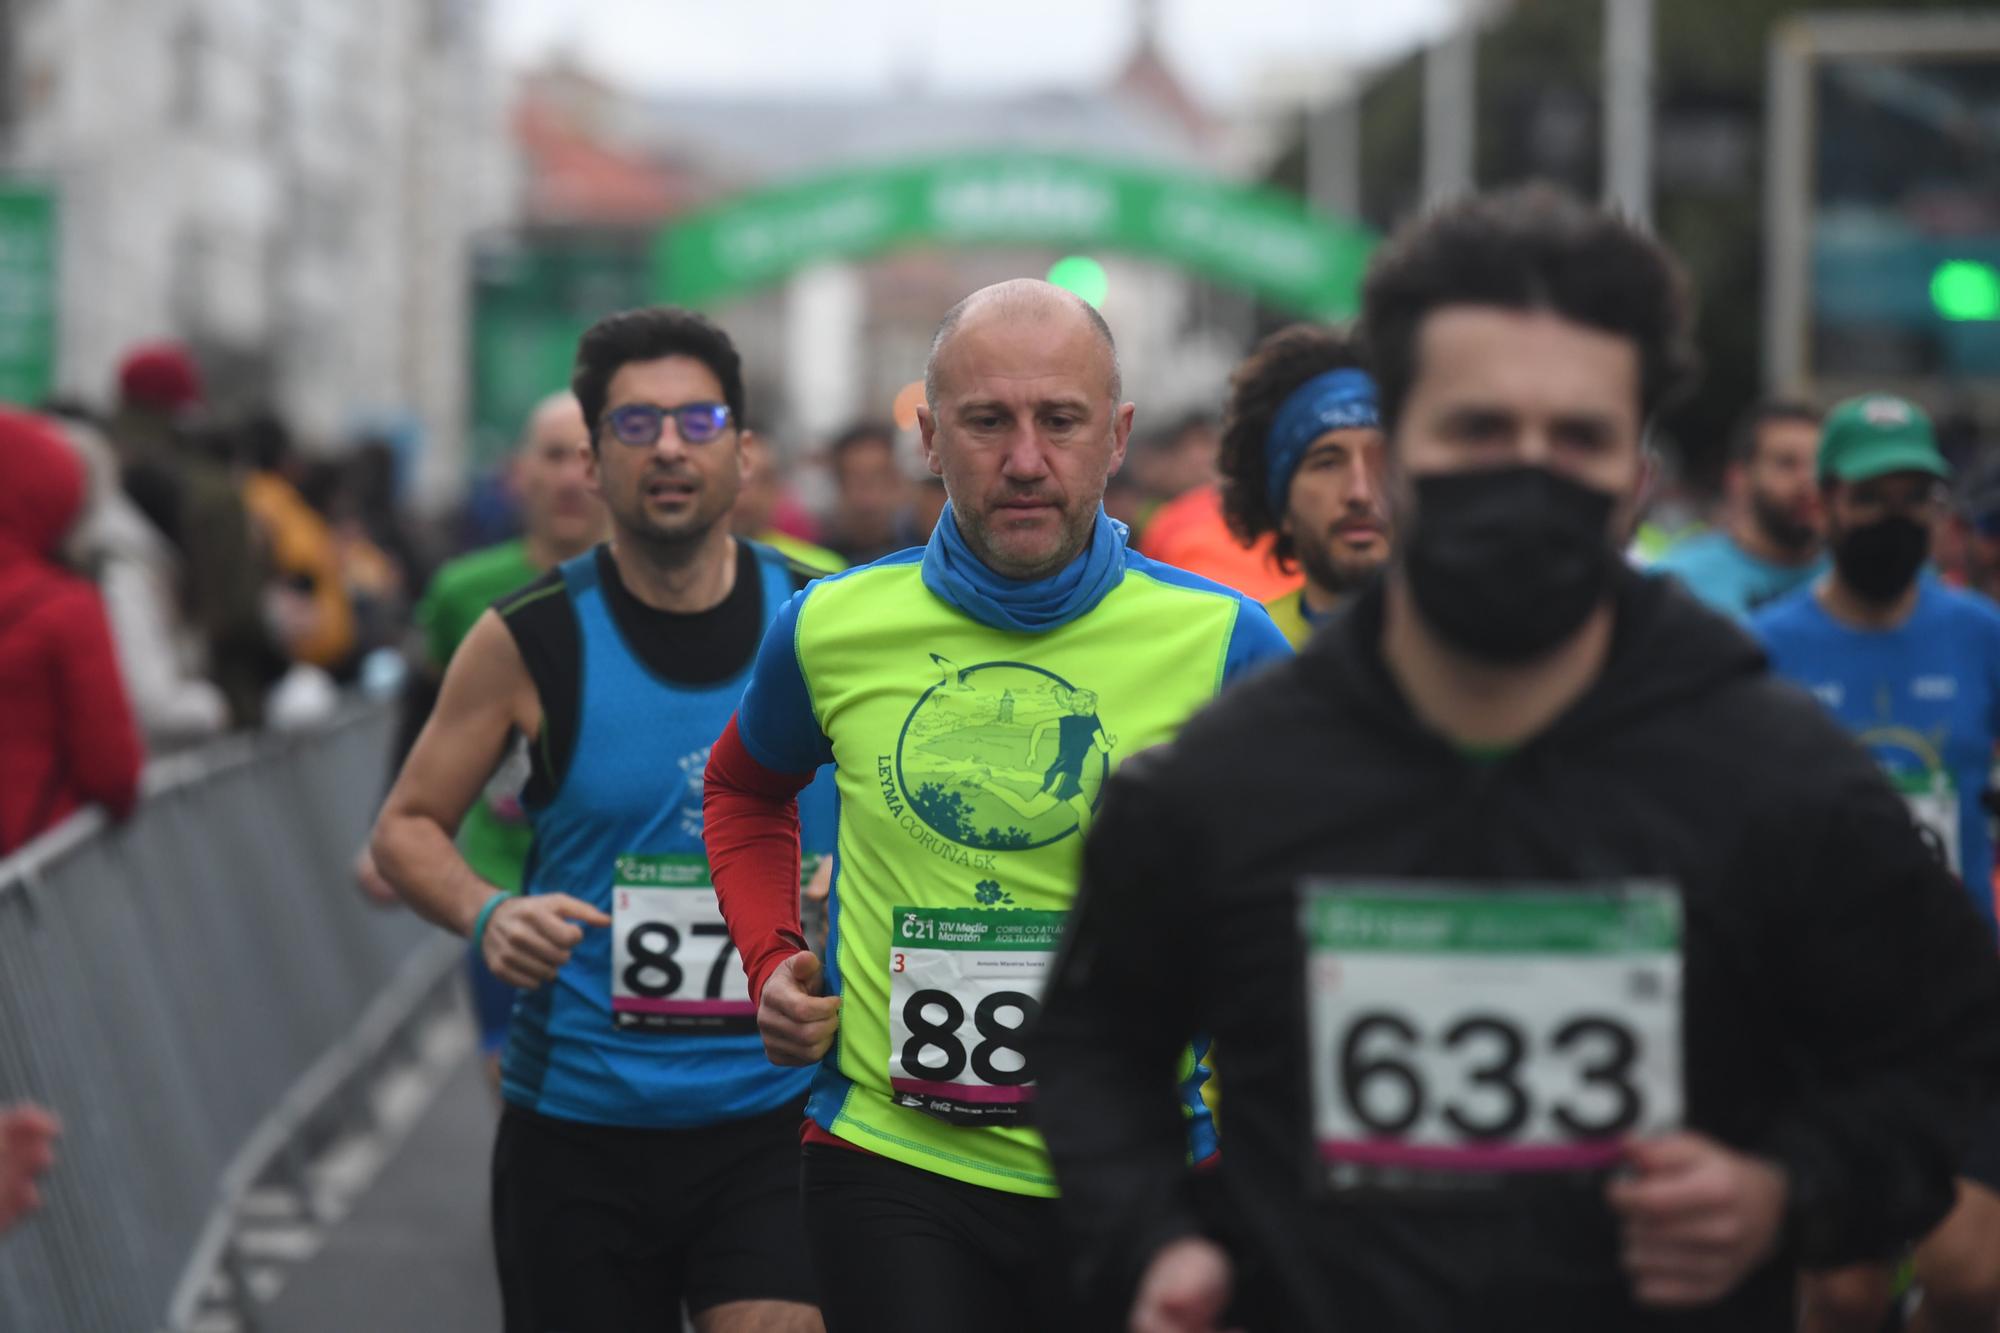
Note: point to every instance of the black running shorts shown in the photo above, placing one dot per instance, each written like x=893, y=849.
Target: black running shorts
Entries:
x=903, y=1250
x=601, y=1229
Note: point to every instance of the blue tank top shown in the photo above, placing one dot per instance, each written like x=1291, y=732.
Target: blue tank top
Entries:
x=661, y=1035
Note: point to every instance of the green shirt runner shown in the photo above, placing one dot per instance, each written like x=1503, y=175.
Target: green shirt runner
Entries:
x=495, y=834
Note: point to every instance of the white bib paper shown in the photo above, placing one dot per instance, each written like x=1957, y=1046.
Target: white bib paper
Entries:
x=1460, y=1032
x=963, y=983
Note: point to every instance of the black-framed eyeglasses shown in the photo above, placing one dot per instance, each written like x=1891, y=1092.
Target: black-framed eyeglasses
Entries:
x=640, y=424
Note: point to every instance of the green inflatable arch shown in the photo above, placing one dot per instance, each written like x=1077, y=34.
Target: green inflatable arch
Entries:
x=1248, y=237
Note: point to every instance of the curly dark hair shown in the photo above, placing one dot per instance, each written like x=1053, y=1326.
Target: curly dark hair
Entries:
x=647, y=335
x=1257, y=389
x=1531, y=247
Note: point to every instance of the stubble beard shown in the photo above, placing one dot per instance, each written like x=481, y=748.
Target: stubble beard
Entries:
x=1331, y=572
x=1075, y=536
x=1782, y=530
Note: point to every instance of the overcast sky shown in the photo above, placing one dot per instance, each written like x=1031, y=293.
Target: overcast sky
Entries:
x=1221, y=47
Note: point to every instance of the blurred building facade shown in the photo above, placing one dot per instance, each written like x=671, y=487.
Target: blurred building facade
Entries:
x=289, y=185
x=1538, y=90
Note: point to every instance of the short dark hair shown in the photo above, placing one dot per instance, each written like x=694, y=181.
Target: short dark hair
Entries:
x=647, y=335
x=1532, y=247
x=854, y=437
x=1257, y=389
x=1748, y=431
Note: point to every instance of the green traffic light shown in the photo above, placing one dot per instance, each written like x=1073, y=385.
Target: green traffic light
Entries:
x=1966, y=289
x=1083, y=275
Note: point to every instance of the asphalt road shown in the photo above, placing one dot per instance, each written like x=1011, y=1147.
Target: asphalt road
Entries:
x=414, y=1252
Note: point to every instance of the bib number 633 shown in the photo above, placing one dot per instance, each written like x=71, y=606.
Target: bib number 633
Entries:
x=1462, y=1033
x=1392, y=1074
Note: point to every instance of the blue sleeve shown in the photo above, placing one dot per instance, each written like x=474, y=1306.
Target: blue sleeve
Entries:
x=819, y=814
x=1255, y=640
x=1759, y=625
x=1989, y=623
x=776, y=718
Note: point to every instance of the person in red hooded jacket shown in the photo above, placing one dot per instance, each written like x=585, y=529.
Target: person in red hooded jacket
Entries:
x=67, y=737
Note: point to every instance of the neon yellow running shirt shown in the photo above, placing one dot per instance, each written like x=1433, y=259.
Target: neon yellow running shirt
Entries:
x=969, y=760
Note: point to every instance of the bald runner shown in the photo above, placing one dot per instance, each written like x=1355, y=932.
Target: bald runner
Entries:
x=971, y=696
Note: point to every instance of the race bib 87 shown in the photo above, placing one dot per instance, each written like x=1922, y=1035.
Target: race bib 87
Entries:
x=1461, y=1035
x=673, y=967
x=963, y=983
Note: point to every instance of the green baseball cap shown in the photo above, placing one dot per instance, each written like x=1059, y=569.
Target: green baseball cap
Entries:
x=1875, y=435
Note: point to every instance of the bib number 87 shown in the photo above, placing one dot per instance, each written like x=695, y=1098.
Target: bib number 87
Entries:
x=652, y=946
x=1381, y=1074
x=942, y=1036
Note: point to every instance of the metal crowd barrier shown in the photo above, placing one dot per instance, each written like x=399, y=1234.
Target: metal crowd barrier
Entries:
x=178, y=989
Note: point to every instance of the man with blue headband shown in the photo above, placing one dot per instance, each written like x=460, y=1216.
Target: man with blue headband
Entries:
x=1302, y=458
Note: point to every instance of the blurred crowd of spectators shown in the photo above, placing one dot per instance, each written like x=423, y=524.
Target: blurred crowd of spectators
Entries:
x=169, y=572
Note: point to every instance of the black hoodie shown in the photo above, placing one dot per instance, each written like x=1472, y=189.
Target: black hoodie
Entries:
x=1840, y=1009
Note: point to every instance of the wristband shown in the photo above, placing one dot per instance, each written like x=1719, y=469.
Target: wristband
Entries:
x=479, y=922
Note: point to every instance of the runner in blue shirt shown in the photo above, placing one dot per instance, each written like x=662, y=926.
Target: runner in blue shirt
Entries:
x=646, y=1161
x=1770, y=539
x=1912, y=667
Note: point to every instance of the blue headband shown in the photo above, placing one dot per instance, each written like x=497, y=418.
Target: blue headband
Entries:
x=1333, y=400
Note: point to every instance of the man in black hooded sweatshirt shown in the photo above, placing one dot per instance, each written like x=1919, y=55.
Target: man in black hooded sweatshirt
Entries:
x=1565, y=971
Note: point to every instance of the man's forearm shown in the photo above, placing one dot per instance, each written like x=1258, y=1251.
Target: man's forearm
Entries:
x=751, y=828
x=419, y=859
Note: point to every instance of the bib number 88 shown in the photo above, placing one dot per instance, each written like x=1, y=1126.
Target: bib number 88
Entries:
x=1386, y=1081
x=942, y=1036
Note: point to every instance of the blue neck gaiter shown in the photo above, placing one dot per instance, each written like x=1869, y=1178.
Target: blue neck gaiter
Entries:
x=1034, y=606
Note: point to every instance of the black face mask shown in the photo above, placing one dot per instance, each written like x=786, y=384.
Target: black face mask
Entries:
x=1880, y=561
x=1506, y=563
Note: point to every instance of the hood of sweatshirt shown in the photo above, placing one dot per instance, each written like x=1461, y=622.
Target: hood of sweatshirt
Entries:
x=41, y=487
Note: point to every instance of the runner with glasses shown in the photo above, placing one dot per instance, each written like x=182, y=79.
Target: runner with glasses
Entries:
x=647, y=1158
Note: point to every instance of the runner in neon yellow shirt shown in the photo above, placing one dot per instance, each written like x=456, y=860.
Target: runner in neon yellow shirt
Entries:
x=973, y=696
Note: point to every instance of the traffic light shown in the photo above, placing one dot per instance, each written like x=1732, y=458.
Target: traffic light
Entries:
x=1966, y=289
x=1083, y=275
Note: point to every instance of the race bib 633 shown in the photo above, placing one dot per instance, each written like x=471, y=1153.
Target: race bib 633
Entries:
x=1460, y=1034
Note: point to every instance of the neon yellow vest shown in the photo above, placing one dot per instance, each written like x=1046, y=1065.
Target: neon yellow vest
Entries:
x=967, y=760
x=1288, y=614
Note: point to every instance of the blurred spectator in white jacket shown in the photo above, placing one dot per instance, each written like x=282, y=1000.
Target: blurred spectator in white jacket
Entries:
x=138, y=574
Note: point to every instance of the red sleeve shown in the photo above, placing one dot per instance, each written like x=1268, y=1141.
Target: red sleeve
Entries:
x=101, y=740
x=750, y=821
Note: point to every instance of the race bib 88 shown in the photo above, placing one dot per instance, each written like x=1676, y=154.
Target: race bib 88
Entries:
x=1463, y=1034
x=963, y=984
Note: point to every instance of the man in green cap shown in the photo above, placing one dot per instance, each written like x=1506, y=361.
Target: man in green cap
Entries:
x=1912, y=667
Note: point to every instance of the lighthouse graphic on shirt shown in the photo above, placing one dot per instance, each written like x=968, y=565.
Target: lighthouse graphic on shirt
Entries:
x=1003, y=756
